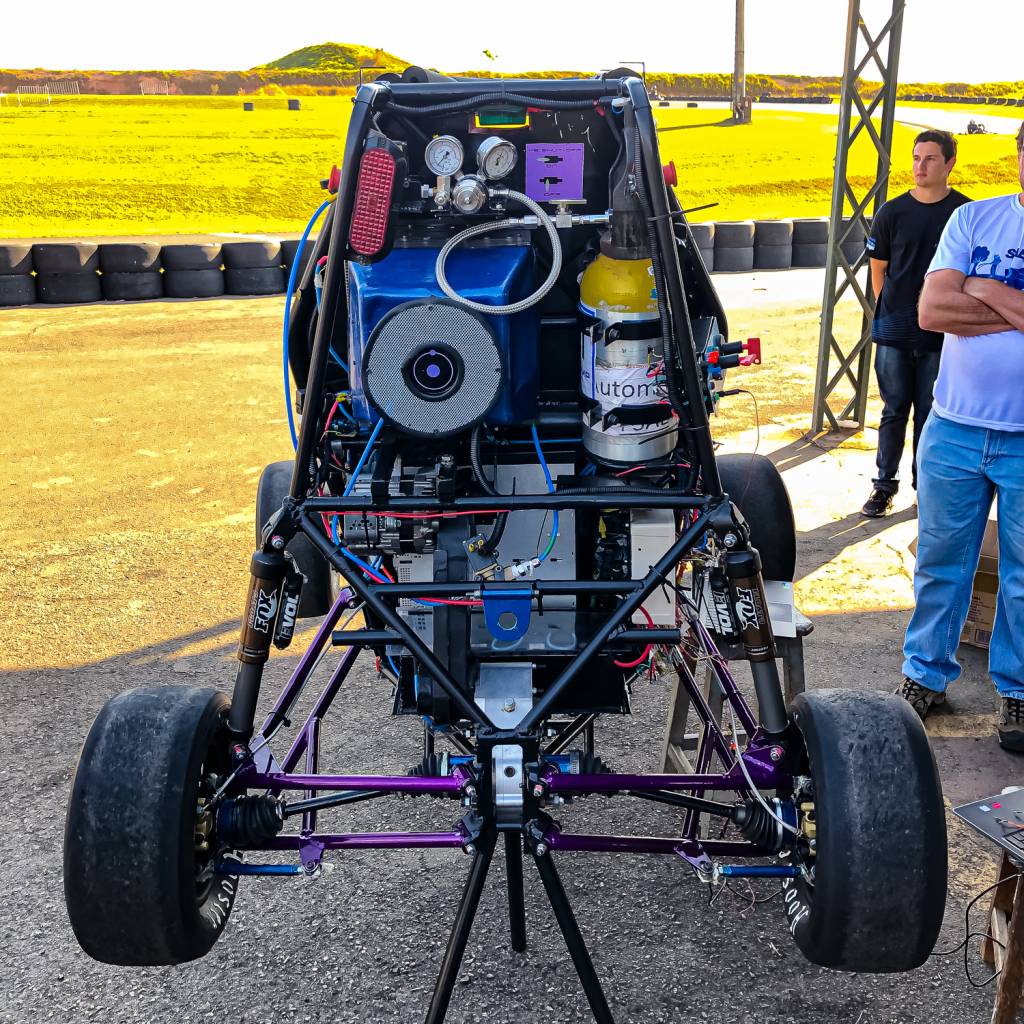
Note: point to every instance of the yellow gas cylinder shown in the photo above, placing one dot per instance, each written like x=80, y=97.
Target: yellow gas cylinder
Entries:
x=626, y=416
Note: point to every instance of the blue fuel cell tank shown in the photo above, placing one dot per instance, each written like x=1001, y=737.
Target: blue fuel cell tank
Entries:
x=495, y=275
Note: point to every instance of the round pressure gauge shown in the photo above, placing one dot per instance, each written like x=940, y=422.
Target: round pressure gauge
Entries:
x=444, y=155
x=496, y=157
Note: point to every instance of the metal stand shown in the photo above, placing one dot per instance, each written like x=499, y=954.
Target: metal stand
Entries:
x=843, y=376
x=461, y=927
x=516, y=898
x=466, y=912
x=573, y=939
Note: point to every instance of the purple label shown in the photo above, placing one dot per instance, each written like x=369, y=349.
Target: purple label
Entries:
x=554, y=171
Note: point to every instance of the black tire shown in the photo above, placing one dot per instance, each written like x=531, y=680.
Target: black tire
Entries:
x=809, y=254
x=257, y=281
x=703, y=235
x=853, y=250
x=856, y=233
x=773, y=257
x=288, y=249
x=734, y=260
x=318, y=592
x=193, y=284
x=130, y=860
x=16, y=258
x=133, y=287
x=810, y=230
x=756, y=487
x=17, y=291
x=251, y=255
x=204, y=256
x=734, y=234
x=708, y=256
x=65, y=257
x=879, y=887
x=129, y=257
x=773, y=232
x=69, y=288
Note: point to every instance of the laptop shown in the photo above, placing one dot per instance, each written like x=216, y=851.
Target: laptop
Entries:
x=999, y=818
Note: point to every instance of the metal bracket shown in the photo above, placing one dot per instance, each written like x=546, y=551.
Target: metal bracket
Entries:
x=507, y=612
x=504, y=692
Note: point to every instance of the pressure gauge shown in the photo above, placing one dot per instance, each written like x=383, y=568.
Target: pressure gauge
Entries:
x=496, y=157
x=444, y=155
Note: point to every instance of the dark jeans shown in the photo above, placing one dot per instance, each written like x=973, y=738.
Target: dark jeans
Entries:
x=906, y=378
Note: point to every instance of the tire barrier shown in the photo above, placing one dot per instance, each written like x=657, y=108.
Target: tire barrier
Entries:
x=79, y=272
x=17, y=290
x=773, y=257
x=204, y=256
x=130, y=257
x=251, y=255
x=703, y=235
x=810, y=254
x=120, y=286
x=254, y=281
x=810, y=231
x=734, y=246
x=69, y=289
x=193, y=284
x=17, y=285
x=773, y=232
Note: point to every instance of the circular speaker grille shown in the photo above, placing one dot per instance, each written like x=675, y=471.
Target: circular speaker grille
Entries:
x=433, y=368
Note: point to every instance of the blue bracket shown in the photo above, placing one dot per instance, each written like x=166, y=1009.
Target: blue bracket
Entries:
x=507, y=613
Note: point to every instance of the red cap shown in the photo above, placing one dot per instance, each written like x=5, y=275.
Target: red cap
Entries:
x=669, y=171
x=334, y=180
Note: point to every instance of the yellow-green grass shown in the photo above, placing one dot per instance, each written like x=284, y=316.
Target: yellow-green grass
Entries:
x=121, y=165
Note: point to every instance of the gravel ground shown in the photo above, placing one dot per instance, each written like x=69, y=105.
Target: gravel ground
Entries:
x=101, y=600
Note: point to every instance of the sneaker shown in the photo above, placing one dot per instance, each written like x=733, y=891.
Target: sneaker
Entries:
x=878, y=505
x=922, y=700
x=1010, y=724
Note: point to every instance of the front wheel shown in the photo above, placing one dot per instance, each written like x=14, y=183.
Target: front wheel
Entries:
x=139, y=878
x=875, y=891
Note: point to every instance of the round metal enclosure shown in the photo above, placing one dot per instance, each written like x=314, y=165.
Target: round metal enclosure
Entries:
x=433, y=368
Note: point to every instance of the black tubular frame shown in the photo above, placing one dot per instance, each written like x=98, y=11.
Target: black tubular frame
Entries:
x=711, y=509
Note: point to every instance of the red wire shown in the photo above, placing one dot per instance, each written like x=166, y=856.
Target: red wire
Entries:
x=647, y=650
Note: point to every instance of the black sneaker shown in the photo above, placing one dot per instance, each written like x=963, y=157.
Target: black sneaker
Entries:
x=1010, y=725
x=878, y=505
x=922, y=700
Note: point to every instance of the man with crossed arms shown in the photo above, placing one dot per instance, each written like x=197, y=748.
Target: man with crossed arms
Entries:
x=971, y=451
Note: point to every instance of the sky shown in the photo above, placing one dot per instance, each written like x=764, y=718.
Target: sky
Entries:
x=940, y=42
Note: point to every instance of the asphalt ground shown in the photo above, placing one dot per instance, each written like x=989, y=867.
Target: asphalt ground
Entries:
x=132, y=440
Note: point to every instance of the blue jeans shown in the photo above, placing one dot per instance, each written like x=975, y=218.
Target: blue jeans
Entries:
x=960, y=470
x=906, y=379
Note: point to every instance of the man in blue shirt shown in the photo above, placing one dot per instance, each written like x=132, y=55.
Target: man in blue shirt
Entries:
x=971, y=451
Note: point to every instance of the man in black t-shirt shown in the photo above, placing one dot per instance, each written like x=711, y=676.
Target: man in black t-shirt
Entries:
x=904, y=235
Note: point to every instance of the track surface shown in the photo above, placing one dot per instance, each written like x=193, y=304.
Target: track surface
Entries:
x=132, y=444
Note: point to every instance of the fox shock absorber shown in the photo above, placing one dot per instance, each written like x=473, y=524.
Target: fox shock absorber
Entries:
x=746, y=586
x=268, y=570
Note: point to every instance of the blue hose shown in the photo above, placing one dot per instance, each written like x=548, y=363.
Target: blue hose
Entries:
x=290, y=291
x=551, y=490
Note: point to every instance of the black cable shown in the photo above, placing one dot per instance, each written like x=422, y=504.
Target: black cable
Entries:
x=501, y=518
x=485, y=98
x=965, y=943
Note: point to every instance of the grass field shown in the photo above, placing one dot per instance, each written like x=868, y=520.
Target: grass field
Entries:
x=119, y=165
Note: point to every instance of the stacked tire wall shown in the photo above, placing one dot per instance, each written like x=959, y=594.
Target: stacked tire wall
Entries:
x=83, y=272
x=80, y=272
x=17, y=285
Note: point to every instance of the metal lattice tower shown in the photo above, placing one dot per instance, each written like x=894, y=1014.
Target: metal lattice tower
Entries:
x=844, y=376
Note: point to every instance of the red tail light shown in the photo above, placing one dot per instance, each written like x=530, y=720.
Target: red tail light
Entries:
x=381, y=173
